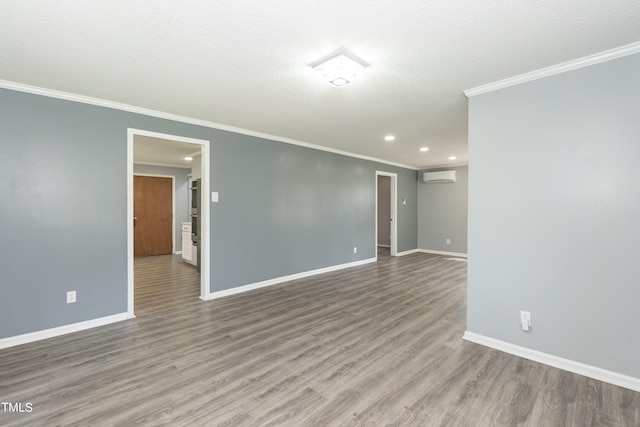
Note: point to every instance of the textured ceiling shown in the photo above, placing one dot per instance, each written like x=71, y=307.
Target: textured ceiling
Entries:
x=245, y=63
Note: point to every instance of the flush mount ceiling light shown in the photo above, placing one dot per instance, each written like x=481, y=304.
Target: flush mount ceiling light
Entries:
x=340, y=67
x=389, y=138
x=188, y=158
x=424, y=149
x=452, y=157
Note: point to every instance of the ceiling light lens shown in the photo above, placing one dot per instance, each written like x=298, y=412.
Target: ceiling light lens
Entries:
x=389, y=138
x=188, y=158
x=424, y=149
x=340, y=81
x=452, y=157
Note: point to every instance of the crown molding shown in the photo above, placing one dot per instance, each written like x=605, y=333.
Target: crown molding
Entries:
x=452, y=165
x=574, y=64
x=51, y=93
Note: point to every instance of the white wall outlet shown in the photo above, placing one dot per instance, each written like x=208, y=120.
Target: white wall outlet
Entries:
x=448, y=241
x=71, y=297
x=355, y=249
x=525, y=320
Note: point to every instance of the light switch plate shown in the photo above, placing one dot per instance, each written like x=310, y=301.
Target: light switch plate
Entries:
x=214, y=196
x=525, y=321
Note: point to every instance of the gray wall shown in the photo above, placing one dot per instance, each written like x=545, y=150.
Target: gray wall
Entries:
x=554, y=205
x=181, y=194
x=384, y=210
x=442, y=213
x=294, y=209
x=283, y=209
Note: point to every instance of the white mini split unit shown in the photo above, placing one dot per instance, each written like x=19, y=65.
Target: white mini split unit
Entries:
x=439, y=177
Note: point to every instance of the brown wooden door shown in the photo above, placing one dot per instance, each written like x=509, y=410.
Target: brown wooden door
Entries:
x=152, y=211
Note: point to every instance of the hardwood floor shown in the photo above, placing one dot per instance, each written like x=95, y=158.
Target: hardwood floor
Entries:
x=377, y=345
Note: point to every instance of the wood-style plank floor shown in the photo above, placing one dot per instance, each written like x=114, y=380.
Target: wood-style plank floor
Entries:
x=376, y=345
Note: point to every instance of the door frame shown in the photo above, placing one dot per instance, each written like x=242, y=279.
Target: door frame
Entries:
x=205, y=248
x=393, y=241
x=173, y=204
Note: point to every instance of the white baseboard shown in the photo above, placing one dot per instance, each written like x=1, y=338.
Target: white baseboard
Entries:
x=383, y=246
x=178, y=253
x=62, y=330
x=270, y=282
x=429, y=251
x=409, y=252
x=557, y=362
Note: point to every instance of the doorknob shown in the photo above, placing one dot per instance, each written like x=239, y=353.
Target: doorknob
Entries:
x=135, y=218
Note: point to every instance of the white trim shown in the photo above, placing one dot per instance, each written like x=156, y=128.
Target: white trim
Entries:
x=62, y=330
x=409, y=252
x=383, y=246
x=164, y=165
x=205, y=232
x=6, y=84
x=429, y=251
x=173, y=204
x=178, y=253
x=597, y=58
x=555, y=361
x=277, y=280
x=175, y=138
x=393, y=240
x=204, y=245
x=130, y=222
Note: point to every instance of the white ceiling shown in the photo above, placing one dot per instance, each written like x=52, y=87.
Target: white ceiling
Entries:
x=163, y=152
x=244, y=63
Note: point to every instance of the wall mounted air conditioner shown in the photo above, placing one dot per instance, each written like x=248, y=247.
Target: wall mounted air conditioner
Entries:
x=440, y=176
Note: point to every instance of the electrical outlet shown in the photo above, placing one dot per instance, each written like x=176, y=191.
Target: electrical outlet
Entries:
x=71, y=297
x=525, y=321
x=355, y=249
x=448, y=241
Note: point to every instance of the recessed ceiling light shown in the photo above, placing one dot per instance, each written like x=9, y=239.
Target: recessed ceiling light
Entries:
x=424, y=149
x=340, y=66
x=452, y=157
x=389, y=138
x=188, y=158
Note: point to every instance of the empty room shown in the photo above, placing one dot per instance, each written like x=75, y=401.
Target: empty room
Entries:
x=245, y=213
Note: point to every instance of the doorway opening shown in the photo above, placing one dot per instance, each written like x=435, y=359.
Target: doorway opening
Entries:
x=199, y=151
x=386, y=208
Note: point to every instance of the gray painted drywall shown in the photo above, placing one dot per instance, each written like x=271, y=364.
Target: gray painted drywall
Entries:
x=63, y=180
x=294, y=209
x=554, y=204
x=283, y=209
x=180, y=195
x=442, y=213
x=384, y=210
